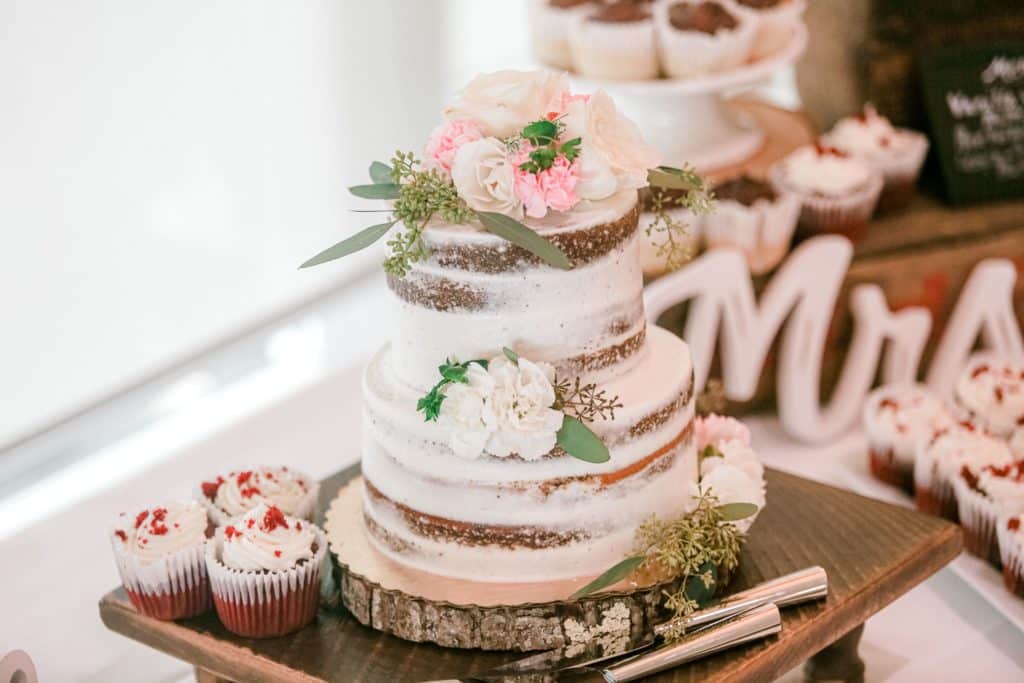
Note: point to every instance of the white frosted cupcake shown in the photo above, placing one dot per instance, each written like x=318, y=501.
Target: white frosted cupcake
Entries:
x=898, y=419
x=1010, y=532
x=235, y=493
x=752, y=217
x=776, y=20
x=991, y=392
x=697, y=37
x=548, y=22
x=653, y=242
x=838, y=193
x=983, y=495
x=615, y=42
x=730, y=469
x=160, y=555
x=898, y=153
x=265, y=570
x=940, y=461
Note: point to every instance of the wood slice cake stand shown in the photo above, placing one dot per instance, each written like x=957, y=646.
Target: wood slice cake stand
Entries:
x=423, y=607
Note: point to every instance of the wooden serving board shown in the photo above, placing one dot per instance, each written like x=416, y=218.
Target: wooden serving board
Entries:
x=873, y=552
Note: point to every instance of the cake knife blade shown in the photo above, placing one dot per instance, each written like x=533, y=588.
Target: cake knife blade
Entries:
x=798, y=587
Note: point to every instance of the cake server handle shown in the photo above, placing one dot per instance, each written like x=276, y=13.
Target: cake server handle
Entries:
x=791, y=589
x=755, y=624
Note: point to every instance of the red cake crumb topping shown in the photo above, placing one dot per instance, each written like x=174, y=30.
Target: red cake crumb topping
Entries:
x=243, y=477
x=298, y=526
x=1013, y=524
x=140, y=518
x=210, y=488
x=230, y=532
x=250, y=491
x=980, y=370
x=889, y=403
x=999, y=394
x=827, y=150
x=274, y=518
x=268, y=475
x=122, y=535
x=969, y=477
x=277, y=553
x=250, y=523
x=967, y=425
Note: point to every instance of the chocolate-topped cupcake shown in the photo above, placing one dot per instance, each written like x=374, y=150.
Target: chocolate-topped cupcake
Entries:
x=698, y=37
x=548, y=22
x=755, y=218
x=615, y=41
x=776, y=21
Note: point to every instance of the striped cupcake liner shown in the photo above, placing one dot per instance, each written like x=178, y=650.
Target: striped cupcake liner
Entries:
x=270, y=603
x=978, y=515
x=1011, y=552
x=172, y=587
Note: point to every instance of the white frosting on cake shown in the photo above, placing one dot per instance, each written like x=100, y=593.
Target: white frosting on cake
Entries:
x=806, y=170
x=992, y=390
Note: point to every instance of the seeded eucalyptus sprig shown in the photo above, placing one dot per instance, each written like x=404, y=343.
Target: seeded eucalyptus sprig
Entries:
x=694, y=196
x=419, y=196
x=695, y=547
x=584, y=401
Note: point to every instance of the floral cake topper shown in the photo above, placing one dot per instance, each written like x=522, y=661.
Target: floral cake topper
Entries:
x=513, y=146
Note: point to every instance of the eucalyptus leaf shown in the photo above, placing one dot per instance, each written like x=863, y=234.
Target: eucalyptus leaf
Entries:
x=510, y=354
x=671, y=179
x=520, y=235
x=380, y=173
x=349, y=245
x=699, y=591
x=580, y=442
x=610, y=577
x=734, y=512
x=376, y=191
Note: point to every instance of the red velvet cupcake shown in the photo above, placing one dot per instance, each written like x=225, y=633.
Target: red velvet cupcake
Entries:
x=160, y=555
x=1011, y=548
x=234, y=493
x=265, y=570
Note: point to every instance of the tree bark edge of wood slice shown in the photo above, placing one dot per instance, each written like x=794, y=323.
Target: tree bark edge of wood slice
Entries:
x=394, y=602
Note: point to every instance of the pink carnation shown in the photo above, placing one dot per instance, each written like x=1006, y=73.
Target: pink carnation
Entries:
x=446, y=140
x=553, y=188
x=717, y=429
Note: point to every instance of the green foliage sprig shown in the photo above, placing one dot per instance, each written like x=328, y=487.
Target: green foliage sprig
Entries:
x=543, y=135
x=451, y=372
x=695, y=196
x=695, y=547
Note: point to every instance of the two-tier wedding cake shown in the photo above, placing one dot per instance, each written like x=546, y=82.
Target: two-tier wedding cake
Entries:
x=524, y=420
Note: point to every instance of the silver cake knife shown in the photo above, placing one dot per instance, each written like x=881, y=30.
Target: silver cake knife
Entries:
x=792, y=589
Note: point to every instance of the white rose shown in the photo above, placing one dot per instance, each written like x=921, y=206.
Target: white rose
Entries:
x=484, y=177
x=737, y=454
x=503, y=102
x=520, y=405
x=612, y=148
x=730, y=484
x=465, y=413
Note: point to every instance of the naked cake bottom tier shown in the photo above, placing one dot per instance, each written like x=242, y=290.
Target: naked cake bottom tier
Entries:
x=508, y=520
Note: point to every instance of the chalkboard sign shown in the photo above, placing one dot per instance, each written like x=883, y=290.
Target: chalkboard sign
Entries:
x=975, y=103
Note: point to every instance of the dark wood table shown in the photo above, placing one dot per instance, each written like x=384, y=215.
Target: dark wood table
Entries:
x=874, y=553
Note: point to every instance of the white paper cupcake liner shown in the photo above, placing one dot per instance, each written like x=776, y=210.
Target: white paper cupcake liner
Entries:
x=549, y=31
x=685, y=54
x=172, y=587
x=933, y=493
x=978, y=516
x=846, y=214
x=306, y=508
x=613, y=50
x=266, y=604
x=762, y=231
x=1011, y=553
x=775, y=25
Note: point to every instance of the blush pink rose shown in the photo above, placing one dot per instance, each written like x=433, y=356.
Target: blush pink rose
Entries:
x=446, y=140
x=716, y=429
x=554, y=188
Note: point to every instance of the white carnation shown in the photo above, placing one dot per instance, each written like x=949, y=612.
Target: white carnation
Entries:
x=730, y=484
x=465, y=414
x=484, y=177
x=520, y=405
x=738, y=454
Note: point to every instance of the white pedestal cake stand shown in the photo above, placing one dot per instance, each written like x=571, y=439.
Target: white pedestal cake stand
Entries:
x=422, y=607
x=689, y=120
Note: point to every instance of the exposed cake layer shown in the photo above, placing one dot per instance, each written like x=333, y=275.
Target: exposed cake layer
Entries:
x=496, y=518
x=586, y=321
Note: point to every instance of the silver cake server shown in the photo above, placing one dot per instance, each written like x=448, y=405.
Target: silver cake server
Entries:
x=792, y=589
